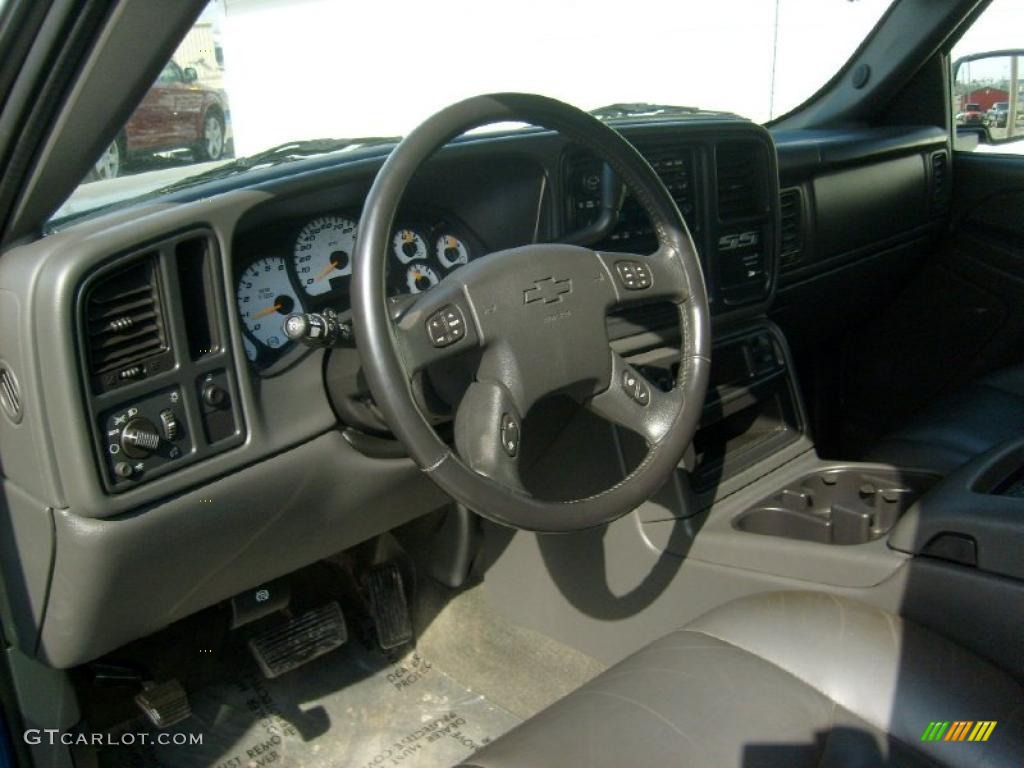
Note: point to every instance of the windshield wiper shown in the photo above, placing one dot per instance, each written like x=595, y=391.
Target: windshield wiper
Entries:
x=282, y=153
x=643, y=109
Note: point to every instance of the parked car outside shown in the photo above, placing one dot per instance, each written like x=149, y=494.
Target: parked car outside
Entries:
x=996, y=116
x=972, y=115
x=177, y=113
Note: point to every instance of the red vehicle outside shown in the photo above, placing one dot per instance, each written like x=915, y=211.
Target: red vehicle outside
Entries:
x=176, y=113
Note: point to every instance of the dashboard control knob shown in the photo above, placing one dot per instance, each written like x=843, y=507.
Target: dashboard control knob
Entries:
x=170, y=425
x=139, y=438
x=123, y=470
x=214, y=395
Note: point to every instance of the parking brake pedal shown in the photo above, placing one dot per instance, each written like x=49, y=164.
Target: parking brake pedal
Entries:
x=388, y=606
x=308, y=636
x=165, y=704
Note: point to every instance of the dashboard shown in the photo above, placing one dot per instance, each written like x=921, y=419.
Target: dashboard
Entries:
x=304, y=264
x=167, y=428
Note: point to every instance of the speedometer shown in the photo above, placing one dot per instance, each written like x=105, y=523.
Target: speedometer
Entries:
x=265, y=297
x=323, y=251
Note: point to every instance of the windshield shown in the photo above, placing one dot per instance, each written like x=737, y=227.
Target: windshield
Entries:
x=259, y=75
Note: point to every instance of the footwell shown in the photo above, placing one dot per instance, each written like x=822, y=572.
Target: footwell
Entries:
x=351, y=708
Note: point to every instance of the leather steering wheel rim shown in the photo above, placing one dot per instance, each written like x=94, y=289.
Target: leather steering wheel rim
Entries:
x=505, y=304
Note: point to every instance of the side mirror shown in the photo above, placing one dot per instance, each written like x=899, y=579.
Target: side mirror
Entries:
x=190, y=74
x=988, y=95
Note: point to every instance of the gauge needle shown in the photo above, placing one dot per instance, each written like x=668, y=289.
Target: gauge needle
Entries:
x=268, y=311
x=331, y=266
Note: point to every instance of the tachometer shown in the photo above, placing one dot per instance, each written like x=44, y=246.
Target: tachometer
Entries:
x=265, y=297
x=408, y=246
x=323, y=251
x=451, y=251
x=420, y=278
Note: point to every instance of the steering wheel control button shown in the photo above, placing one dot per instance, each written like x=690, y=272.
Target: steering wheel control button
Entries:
x=634, y=385
x=509, y=434
x=446, y=326
x=634, y=275
x=455, y=322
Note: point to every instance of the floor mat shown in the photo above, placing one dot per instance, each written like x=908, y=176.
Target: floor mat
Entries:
x=352, y=707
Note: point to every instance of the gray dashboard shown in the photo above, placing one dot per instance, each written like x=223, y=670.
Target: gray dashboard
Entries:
x=94, y=559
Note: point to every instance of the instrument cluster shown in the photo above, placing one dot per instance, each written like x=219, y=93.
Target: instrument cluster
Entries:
x=307, y=266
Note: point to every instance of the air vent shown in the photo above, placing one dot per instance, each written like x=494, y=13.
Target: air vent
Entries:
x=125, y=329
x=790, y=228
x=740, y=170
x=10, y=396
x=940, y=183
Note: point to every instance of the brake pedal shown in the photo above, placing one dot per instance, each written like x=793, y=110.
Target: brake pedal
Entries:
x=165, y=704
x=298, y=641
x=388, y=606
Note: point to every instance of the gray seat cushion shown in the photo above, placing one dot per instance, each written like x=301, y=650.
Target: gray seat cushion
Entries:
x=783, y=679
x=955, y=429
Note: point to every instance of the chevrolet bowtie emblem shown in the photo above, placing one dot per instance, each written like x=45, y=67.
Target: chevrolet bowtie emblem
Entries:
x=547, y=290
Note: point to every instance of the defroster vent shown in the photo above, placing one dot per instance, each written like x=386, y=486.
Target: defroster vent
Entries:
x=126, y=335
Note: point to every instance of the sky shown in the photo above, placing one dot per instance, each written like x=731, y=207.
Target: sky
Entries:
x=298, y=69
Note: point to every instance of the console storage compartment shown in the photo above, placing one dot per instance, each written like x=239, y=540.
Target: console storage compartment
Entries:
x=848, y=505
x=974, y=517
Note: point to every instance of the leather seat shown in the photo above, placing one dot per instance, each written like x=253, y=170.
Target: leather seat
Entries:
x=955, y=429
x=781, y=679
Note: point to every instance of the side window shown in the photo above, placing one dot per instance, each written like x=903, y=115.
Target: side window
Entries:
x=170, y=74
x=988, y=82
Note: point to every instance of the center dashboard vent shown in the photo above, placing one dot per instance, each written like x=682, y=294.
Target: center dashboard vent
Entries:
x=741, y=172
x=790, y=228
x=126, y=334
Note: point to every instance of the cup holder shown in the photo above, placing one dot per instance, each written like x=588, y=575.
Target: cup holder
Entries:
x=837, y=506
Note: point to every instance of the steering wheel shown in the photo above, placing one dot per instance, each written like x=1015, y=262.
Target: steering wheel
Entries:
x=534, y=318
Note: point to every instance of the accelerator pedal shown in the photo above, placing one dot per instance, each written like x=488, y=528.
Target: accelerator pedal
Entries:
x=298, y=641
x=388, y=605
x=165, y=704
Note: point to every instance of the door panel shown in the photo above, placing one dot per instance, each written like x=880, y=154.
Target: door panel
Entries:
x=960, y=318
